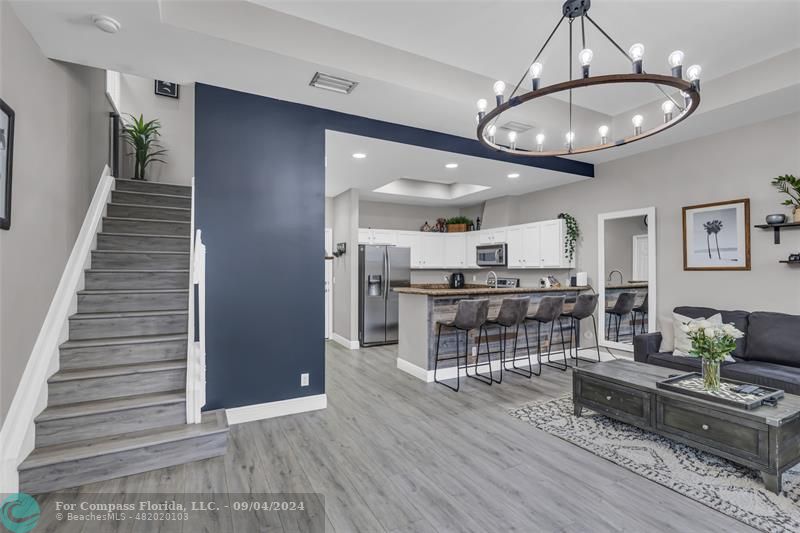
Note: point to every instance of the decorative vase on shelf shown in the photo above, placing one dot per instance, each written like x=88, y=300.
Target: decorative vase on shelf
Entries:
x=711, y=375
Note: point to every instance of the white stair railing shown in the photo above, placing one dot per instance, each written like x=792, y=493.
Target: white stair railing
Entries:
x=196, y=339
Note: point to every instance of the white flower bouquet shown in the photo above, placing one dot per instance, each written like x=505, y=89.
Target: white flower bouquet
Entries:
x=712, y=343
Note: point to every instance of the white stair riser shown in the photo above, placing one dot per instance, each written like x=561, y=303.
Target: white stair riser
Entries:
x=140, y=261
x=154, y=188
x=147, y=227
x=150, y=213
x=104, y=328
x=103, y=388
x=142, y=243
x=134, y=198
x=83, y=471
x=63, y=430
x=136, y=280
x=132, y=301
x=122, y=354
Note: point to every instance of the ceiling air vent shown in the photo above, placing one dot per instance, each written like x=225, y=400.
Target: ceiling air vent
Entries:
x=519, y=127
x=332, y=83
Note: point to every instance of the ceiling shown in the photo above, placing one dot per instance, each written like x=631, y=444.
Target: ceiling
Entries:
x=425, y=64
x=422, y=173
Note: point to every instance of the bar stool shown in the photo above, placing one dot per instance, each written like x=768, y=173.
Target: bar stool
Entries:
x=470, y=314
x=641, y=309
x=511, y=314
x=549, y=310
x=623, y=306
x=584, y=307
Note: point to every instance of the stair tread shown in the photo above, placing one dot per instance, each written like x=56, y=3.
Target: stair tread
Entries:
x=131, y=271
x=145, y=182
x=136, y=219
x=130, y=291
x=116, y=341
x=72, y=410
x=153, y=206
x=128, y=314
x=157, y=194
x=138, y=251
x=212, y=422
x=142, y=235
x=115, y=370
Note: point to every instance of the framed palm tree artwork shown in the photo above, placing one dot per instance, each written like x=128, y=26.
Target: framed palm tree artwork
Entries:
x=716, y=236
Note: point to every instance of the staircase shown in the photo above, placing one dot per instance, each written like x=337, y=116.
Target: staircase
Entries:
x=117, y=405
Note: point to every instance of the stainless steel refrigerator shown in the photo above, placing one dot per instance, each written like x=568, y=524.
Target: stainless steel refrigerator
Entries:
x=380, y=269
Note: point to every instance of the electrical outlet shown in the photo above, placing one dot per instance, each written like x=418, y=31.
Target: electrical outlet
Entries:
x=304, y=380
x=474, y=277
x=474, y=351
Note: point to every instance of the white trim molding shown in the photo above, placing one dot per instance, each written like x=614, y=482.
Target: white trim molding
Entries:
x=262, y=411
x=17, y=433
x=347, y=343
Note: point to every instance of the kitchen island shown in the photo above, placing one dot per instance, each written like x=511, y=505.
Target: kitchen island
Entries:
x=422, y=306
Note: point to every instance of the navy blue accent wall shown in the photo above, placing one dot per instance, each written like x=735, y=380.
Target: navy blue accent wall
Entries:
x=260, y=203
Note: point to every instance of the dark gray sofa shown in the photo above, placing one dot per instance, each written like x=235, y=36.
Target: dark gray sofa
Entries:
x=769, y=353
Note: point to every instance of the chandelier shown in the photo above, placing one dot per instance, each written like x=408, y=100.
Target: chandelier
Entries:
x=674, y=108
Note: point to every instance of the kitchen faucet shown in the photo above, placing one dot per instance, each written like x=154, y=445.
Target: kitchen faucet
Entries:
x=612, y=273
x=490, y=275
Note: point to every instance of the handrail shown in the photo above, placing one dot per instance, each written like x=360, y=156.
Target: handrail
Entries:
x=196, y=339
x=16, y=435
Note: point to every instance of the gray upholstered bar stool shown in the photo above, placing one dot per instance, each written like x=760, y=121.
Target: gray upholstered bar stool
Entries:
x=549, y=310
x=470, y=314
x=511, y=315
x=641, y=309
x=622, y=307
x=585, y=306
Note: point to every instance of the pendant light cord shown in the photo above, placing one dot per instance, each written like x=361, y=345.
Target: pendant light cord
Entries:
x=535, y=59
x=570, y=132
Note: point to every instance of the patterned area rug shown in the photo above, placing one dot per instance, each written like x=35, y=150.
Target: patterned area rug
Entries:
x=726, y=487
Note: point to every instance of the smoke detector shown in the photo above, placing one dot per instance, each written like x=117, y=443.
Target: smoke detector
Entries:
x=105, y=23
x=333, y=83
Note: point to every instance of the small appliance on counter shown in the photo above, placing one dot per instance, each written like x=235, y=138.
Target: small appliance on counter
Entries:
x=455, y=280
x=580, y=279
x=506, y=283
x=491, y=255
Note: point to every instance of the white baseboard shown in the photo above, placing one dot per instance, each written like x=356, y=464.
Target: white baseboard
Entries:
x=261, y=411
x=450, y=372
x=347, y=343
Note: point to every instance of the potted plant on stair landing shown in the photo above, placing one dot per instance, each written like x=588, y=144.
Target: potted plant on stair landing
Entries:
x=143, y=137
x=458, y=224
x=713, y=343
x=790, y=186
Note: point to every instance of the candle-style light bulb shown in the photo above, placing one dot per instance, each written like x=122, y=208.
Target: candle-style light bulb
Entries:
x=637, y=120
x=675, y=61
x=482, y=105
x=499, y=88
x=585, y=57
x=536, y=74
x=693, y=73
x=492, y=130
x=668, y=107
x=512, y=140
x=636, y=52
x=603, y=131
x=540, y=142
x=570, y=138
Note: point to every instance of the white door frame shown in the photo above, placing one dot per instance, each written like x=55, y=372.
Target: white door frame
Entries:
x=636, y=273
x=328, y=283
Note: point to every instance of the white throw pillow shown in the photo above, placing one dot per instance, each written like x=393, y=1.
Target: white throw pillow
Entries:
x=683, y=344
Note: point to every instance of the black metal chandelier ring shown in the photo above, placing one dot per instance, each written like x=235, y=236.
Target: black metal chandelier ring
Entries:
x=689, y=91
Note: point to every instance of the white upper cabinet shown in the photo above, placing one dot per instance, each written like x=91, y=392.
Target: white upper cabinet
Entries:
x=551, y=244
x=376, y=236
x=492, y=236
x=516, y=247
x=455, y=250
x=473, y=239
x=432, y=250
x=412, y=240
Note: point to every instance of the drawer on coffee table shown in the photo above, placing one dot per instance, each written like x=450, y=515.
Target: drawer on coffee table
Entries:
x=724, y=432
x=617, y=401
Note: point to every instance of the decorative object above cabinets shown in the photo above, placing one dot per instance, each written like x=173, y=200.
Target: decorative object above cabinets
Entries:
x=535, y=245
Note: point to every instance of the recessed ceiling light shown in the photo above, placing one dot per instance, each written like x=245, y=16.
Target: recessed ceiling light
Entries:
x=513, y=175
x=107, y=24
x=451, y=165
x=359, y=155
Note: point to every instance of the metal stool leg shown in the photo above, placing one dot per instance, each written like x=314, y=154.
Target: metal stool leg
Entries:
x=525, y=372
x=550, y=349
x=477, y=375
x=436, y=362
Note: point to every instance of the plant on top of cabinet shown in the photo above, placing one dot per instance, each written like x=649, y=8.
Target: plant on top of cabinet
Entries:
x=790, y=186
x=458, y=224
x=143, y=137
x=573, y=232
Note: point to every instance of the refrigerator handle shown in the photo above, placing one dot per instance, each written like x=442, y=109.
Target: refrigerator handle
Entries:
x=388, y=266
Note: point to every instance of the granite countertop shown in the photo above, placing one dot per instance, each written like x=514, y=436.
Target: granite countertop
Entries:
x=633, y=285
x=440, y=289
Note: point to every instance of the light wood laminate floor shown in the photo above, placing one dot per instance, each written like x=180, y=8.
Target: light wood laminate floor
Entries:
x=394, y=454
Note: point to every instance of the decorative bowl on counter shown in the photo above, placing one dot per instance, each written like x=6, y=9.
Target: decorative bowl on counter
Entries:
x=776, y=219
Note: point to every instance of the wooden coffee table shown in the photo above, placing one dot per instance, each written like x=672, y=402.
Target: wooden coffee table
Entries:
x=765, y=438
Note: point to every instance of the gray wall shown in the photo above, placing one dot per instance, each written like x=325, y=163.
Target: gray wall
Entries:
x=58, y=147
x=385, y=215
x=137, y=97
x=619, y=245
x=345, y=291
x=734, y=164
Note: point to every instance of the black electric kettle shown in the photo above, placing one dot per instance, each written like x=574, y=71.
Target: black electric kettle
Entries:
x=456, y=280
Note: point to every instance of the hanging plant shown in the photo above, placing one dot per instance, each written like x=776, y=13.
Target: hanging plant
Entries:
x=571, y=238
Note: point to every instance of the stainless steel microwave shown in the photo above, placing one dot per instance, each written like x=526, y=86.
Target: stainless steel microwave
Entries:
x=489, y=255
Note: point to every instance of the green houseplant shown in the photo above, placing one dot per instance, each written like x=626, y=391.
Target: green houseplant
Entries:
x=143, y=137
x=457, y=224
x=571, y=238
x=790, y=186
x=713, y=343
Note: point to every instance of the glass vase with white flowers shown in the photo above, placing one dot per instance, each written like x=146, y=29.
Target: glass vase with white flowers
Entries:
x=713, y=343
